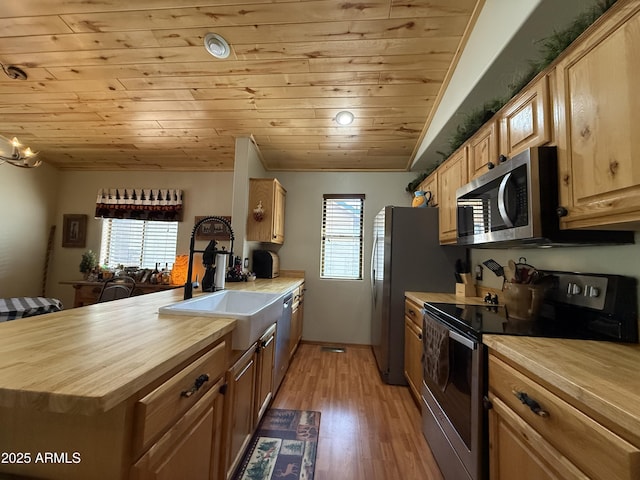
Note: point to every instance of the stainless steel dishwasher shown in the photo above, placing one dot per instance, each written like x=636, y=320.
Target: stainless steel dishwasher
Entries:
x=283, y=334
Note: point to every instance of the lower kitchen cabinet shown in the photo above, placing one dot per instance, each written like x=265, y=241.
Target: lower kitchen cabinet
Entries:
x=297, y=314
x=413, y=348
x=191, y=447
x=266, y=350
x=535, y=434
x=239, y=408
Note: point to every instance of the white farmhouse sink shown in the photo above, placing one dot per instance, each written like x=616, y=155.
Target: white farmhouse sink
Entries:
x=254, y=311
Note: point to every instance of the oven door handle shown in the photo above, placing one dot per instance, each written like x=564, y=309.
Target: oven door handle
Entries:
x=467, y=342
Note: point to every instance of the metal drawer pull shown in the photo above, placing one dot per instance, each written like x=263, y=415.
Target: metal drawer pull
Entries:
x=201, y=380
x=531, y=403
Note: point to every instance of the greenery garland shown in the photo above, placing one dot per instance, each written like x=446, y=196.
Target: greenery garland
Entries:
x=550, y=48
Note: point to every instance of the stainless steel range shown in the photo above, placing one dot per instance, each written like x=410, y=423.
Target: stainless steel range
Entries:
x=580, y=306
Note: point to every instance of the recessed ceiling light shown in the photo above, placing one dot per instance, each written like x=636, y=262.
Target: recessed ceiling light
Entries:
x=344, y=117
x=216, y=45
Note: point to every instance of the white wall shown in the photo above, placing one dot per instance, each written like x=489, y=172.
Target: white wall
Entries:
x=335, y=310
x=205, y=193
x=27, y=211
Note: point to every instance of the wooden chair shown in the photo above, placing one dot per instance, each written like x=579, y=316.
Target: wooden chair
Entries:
x=117, y=287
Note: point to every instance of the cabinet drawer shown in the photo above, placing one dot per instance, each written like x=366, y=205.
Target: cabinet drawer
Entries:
x=413, y=311
x=190, y=448
x=597, y=451
x=160, y=408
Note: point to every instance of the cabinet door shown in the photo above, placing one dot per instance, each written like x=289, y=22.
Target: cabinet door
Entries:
x=517, y=451
x=413, y=356
x=241, y=380
x=430, y=184
x=452, y=174
x=264, y=385
x=278, y=213
x=295, y=331
x=483, y=148
x=270, y=193
x=191, y=448
x=526, y=120
x=599, y=111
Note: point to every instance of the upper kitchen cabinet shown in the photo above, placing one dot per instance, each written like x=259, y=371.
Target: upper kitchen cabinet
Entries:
x=452, y=174
x=599, y=113
x=526, y=120
x=267, y=195
x=483, y=148
x=430, y=184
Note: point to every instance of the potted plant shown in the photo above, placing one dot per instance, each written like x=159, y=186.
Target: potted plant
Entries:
x=88, y=263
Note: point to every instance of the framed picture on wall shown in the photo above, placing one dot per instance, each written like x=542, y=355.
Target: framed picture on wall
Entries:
x=213, y=230
x=74, y=233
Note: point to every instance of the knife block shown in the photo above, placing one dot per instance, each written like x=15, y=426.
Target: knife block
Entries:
x=465, y=290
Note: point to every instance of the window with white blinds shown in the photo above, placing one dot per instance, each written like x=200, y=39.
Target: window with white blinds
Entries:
x=342, y=237
x=138, y=243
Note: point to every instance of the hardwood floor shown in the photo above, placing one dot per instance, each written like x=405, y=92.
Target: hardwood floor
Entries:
x=368, y=430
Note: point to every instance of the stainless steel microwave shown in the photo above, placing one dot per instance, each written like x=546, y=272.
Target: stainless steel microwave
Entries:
x=516, y=204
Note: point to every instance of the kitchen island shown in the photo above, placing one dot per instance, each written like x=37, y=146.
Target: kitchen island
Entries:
x=90, y=384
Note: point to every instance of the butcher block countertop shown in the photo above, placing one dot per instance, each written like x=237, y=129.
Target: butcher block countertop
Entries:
x=600, y=378
x=89, y=359
x=421, y=297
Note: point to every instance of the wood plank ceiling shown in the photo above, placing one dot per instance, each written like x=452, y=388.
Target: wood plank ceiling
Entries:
x=126, y=85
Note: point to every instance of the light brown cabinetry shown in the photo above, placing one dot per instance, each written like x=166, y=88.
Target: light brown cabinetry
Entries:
x=598, y=141
x=297, y=315
x=430, y=184
x=265, y=362
x=178, y=425
x=250, y=389
x=413, y=347
x=272, y=196
x=191, y=447
x=239, y=408
x=535, y=432
x=158, y=410
x=483, y=148
x=526, y=120
x=451, y=175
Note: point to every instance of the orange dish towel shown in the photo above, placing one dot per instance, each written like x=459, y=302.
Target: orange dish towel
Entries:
x=435, y=357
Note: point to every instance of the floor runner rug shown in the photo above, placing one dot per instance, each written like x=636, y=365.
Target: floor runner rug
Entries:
x=283, y=447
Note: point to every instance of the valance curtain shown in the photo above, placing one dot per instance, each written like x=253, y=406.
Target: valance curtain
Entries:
x=140, y=204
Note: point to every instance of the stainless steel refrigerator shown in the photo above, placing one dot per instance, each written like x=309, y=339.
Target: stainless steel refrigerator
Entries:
x=406, y=256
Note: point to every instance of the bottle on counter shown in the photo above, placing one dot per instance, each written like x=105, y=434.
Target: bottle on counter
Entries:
x=153, y=279
x=165, y=278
